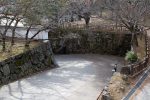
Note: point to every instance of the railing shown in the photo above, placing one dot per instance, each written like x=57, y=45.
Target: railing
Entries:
x=138, y=68
x=94, y=27
x=100, y=94
x=134, y=69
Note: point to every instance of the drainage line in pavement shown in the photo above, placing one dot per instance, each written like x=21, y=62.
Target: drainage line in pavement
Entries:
x=138, y=84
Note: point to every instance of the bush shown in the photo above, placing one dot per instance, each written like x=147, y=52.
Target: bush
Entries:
x=131, y=57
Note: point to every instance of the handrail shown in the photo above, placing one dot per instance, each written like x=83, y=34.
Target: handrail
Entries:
x=100, y=94
x=137, y=85
x=82, y=26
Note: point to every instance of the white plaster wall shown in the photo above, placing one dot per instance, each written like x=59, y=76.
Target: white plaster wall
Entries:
x=20, y=32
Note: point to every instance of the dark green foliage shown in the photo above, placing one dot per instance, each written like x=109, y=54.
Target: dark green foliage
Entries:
x=19, y=62
x=131, y=57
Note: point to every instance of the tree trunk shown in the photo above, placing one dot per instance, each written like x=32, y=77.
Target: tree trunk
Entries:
x=5, y=32
x=116, y=24
x=29, y=41
x=3, y=44
x=101, y=13
x=13, y=33
x=27, y=44
x=26, y=38
x=79, y=17
x=4, y=40
x=87, y=20
x=134, y=42
x=72, y=19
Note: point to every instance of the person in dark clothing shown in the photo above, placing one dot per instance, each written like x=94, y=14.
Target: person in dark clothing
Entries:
x=115, y=68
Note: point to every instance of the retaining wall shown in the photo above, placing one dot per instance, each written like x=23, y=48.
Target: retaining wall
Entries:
x=27, y=63
x=95, y=42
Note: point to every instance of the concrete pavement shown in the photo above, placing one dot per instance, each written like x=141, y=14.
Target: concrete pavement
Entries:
x=79, y=77
x=143, y=92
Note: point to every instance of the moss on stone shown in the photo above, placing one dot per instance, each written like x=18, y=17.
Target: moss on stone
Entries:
x=19, y=62
x=49, y=61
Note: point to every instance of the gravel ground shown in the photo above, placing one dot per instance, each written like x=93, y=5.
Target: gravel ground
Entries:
x=79, y=77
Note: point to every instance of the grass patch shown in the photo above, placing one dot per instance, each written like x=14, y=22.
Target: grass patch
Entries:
x=16, y=49
x=119, y=86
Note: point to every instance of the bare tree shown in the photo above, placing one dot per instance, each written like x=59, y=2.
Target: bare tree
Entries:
x=82, y=9
x=42, y=15
x=6, y=19
x=130, y=14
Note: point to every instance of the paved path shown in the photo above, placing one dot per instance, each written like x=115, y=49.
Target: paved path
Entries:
x=137, y=85
x=79, y=77
x=143, y=92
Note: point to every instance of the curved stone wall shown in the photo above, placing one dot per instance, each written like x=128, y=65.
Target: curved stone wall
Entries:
x=97, y=42
x=25, y=64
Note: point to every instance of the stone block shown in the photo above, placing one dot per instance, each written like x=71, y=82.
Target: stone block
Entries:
x=12, y=68
x=14, y=76
x=106, y=96
x=5, y=80
x=1, y=75
x=6, y=70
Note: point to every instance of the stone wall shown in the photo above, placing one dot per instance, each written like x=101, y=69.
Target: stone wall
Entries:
x=26, y=64
x=97, y=42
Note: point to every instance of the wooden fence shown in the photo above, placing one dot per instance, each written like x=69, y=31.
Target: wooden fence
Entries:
x=95, y=27
x=134, y=69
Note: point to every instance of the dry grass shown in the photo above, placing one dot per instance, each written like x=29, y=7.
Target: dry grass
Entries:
x=18, y=48
x=118, y=86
